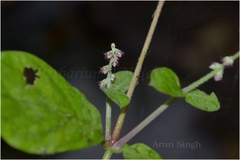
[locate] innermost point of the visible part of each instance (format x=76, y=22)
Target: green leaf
x=203, y=101
x=41, y=112
x=117, y=96
x=123, y=80
x=139, y=151
x=118, y=88
x=166, y=81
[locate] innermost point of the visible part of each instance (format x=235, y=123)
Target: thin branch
x=108, y=119
x=122, y=115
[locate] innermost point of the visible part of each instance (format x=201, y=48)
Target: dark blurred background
x=72, y=36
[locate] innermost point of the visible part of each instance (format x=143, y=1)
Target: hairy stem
x=108, y=119
x=109, y=83
x=235, y=56
x=107, y=154
x=122, y=115
x=201, y=80
x=145, y=48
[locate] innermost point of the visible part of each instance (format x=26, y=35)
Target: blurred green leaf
x=203, y=101
x=166, y=81
x=139, y=151
x=41, y=112
x=117, y=96
x=123, y=80
x=118, y=88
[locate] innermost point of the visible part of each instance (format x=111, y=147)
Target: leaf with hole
x=202, y=101
x=41, y=112
x=139, y=151
x=166, y=81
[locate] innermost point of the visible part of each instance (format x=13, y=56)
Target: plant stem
x=108, y=119
x=107, y=154
x=145, y=48
x=160, y=109
x=143, y=124
x=108, y=106
x=122, y=115
x=201, y=80
x=235, y=56
x=109, y=83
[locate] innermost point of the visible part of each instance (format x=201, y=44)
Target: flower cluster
x=226, y=61
x=113, y=57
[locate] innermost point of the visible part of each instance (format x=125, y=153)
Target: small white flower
x=227, y=61
x=102, y=83
x=218, y=76
x=113, y=77
x=114, y=63
x=109, y=55
x=105, y=69
x=113, y=46
x=215, y=65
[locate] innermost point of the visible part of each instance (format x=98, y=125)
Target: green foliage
x=203, y=101
x=41, y=112
x=166, y=81
x=139, y=151
x=123, y=80
x=117, y=96
x=118, y=88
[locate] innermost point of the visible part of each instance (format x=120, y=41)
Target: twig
x=122, y=115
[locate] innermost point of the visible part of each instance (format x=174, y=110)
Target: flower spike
x=113, y=57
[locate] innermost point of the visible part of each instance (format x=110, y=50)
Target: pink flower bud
x=115, y=63
x=120, y=53
x=102, y=83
